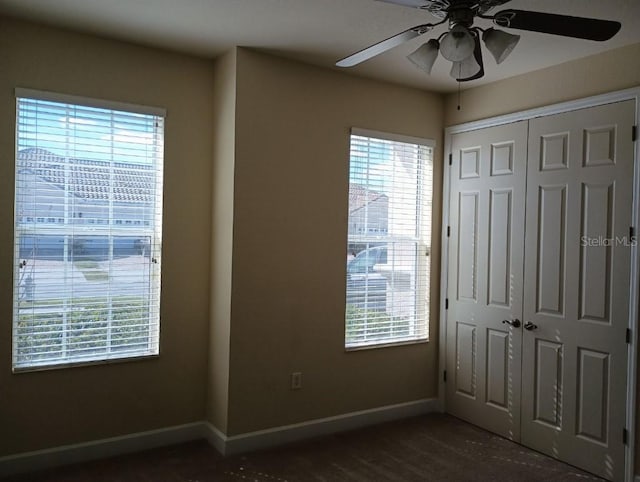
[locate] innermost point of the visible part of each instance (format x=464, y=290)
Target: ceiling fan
x=460, y=44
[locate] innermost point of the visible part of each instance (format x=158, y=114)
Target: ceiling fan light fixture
x=461, y=44
x=465, y=69
x=499, y=43
x=425, y=56
x=457, y=44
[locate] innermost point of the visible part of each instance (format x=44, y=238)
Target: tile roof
x=360, y=196
x=90, y=179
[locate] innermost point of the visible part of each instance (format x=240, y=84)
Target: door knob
x=530, y=326
x=515, y=323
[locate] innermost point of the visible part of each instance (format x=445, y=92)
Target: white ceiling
x=321, y=31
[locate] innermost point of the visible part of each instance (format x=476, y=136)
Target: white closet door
x=488, y=174
x=576, y=286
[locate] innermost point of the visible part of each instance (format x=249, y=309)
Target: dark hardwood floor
x=433, y=447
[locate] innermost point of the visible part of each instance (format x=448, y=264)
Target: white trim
x=271, y=437
x=16, y=370
x=89, y=102
x=98, y=449
x=215, y=437
x=559, y=108
x=444, y=274
x=634, y=300
x=385, y=344
x=389, y=136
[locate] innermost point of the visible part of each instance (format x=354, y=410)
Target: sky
x=377, y=162
x=88, y=132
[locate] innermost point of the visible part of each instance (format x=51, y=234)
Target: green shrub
x=90, y=327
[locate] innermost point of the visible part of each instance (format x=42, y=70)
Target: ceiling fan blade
x=565, y=25
x=484, y=5
x=409, y=3
x=380, y=47
x=437, y=6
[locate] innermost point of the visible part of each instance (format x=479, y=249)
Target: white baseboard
x=98, y=449
x=215, y=437
x=272, y=437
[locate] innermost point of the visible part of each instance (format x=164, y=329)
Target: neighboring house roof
x=90, y=179
x=360, y=196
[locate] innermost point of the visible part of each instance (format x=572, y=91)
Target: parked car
x=366, y=288
x=82, y=247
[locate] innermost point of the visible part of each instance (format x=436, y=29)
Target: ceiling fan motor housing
x=461, y=15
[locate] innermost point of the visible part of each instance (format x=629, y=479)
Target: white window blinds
x=389, y=238
x=88, y=219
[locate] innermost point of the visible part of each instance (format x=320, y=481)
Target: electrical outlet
x=296, y=380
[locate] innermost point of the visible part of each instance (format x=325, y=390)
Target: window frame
x=151, y=230
x=423, y=240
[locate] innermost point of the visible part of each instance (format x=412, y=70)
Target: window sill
x=386, y=345
x=59, y=366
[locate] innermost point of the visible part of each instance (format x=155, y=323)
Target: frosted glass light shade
x=458, y=44
x=499, y=43
x=425, y=56
x=465, y=69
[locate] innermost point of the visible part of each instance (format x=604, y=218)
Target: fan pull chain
x=459, y=74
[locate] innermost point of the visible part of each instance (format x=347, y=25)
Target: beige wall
x=224, y=132
x=256, y=183
x=614, y=70
x=44, y=409
x=289, y=243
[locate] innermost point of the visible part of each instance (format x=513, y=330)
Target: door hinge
x=450, y=159
x=444, y=376
x=446, y=303
x=634, y=133
x=625, y=436
x=632, y=233
x=628, y=335
x=448, y=231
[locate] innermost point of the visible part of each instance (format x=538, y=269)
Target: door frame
x=634, y=296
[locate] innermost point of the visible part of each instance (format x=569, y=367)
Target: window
x=86, y=287
x=389, y=239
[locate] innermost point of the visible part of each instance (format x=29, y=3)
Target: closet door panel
x=485, y=277
x=576, y=286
